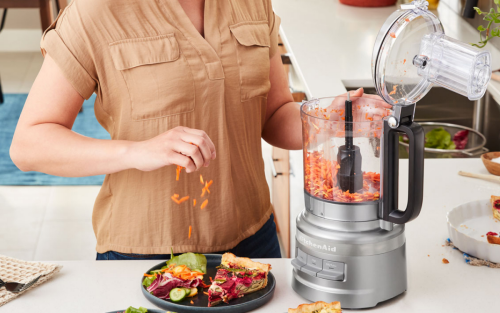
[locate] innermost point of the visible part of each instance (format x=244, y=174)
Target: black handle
x=469, y=11
x=390, y=172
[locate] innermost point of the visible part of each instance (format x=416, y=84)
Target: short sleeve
x=274, y=27
x=65, y=42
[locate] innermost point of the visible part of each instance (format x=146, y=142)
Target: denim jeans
x=263, y=244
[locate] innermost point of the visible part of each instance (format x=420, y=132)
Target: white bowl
x=467, y=224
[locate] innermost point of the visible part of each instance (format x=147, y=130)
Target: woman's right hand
x=187, y=147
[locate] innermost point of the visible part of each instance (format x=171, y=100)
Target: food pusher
x=350, y=244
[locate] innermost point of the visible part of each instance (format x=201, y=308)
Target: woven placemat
x=472, y=260
x=13, y=270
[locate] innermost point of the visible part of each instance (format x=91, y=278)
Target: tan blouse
x=152, y=71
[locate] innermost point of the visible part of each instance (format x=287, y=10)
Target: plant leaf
x=481, y=28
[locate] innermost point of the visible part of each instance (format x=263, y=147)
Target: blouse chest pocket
x=158, y=77
x=252, y=49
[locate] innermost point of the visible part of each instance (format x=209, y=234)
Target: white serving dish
x=467, y=223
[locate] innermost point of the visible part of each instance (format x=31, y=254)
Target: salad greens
x=491, y=17
x=148, y=281
x=438, y=138
x=134, y=310
x=195, y=262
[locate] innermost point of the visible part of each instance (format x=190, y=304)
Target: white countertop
x=91, y=286
x=331, y=44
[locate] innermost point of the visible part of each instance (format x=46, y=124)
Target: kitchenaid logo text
x=309, y=243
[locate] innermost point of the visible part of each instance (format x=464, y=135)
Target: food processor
x=350, y=238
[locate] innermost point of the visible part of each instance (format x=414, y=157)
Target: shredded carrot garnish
x=148, y=275
x=204, y=204
x=194, y=202
x=190, y=230
x=175, y=200
x=183, y=199
x=178, y=172
x=201, y=179
x=206, y=293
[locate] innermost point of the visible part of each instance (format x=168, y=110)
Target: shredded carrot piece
x=148, y=275
x=209, y=183
x=204, y=204
x=317, y=128
x=190, y=230
x=393, y=35
x=183, y=199
x=175, y=200
x=194, y=202
x=178, y=172
x=203, y=192
x=201, y=179
x=211, y=280
x=393, y=90
x=176, y=195
x=191, y=302
x=407, y=19
x=206, y=293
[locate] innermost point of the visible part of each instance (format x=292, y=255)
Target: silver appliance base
x=368, y=280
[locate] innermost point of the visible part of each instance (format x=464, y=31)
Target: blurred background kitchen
x=49, y=218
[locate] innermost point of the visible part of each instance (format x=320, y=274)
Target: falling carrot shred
x=204, y=204
x=194, y=202
x=190, y=229
x=393, y=35
x=178, y=172
x=176, y=195
x=201, y=179
x=183, y=199
x=175, y=200
x=203, y=192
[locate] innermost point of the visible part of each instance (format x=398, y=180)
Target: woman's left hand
x=365, y=107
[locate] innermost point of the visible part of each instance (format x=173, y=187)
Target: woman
x=187, y=83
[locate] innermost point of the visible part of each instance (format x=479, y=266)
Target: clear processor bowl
x=324, y=131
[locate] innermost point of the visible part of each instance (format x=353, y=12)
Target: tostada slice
x=235, y=278
x=318, y=307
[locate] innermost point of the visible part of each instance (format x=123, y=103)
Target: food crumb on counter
x=445, y=261
x=428, y=255
x=482, y=235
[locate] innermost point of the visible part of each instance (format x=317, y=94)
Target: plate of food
x=208, y=283
x=474, y=228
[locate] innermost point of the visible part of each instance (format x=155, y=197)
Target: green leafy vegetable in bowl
x=439, y=138
x=134, y=310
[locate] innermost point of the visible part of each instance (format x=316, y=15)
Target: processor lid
x=395, y=60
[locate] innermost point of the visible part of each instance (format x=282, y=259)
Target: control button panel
x=313, y=265
x=318, y=267
x=332, y=270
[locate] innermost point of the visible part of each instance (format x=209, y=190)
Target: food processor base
x=368, y=280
